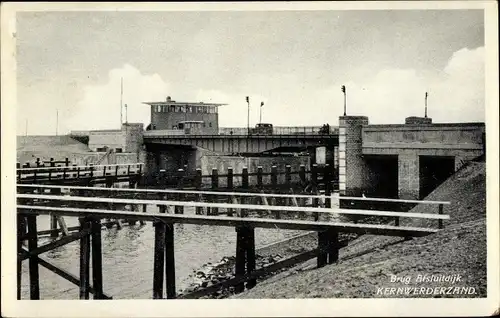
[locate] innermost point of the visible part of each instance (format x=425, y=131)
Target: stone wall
x=106, y=138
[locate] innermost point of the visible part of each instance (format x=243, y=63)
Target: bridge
x=395, y=161
x=403, y=161
x=237, y=144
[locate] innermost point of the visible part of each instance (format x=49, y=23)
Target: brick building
x=192, y=118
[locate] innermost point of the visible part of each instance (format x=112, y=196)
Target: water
x=128, y=257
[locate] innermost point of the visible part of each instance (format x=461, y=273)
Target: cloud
x=456, y=93
x=100, y=106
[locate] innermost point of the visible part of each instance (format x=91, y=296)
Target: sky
x=71, y=64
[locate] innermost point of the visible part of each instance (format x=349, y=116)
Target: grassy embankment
x=45, y=147
x=369, y=261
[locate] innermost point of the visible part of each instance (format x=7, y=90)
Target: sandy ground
x=370, y=263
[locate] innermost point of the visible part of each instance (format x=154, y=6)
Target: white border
x=226, y=308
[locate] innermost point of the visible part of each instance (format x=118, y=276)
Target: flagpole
x=57, y=121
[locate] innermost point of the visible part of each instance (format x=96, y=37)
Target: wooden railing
x=238, y=210
x=89, y=174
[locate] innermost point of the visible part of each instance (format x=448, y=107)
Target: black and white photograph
x=250, y=159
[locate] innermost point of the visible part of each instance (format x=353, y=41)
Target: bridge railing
x=280, y=130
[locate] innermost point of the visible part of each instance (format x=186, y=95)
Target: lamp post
x=343, y=91
x=426, y=94
x=260, y=116
x=248, y=116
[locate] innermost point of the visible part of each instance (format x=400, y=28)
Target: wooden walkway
x=93, y=205
x=81, y=175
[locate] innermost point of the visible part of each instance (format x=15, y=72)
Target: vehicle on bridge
x=262, y=129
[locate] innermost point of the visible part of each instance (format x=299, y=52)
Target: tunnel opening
x=382, y=176
x=381, y=181
x=433, y=171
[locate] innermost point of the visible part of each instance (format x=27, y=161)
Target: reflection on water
x=128, y=257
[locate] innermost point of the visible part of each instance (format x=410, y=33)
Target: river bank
x=368, y=265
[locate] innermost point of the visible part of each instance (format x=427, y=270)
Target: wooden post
x=323, y=248
x=215, y=186
x=230, y=212
x=197, y=184
x=53, y=226
x=97, y=259
x=314, y=181
x=62, y=225
x=274, y=185
x=274, y=177
x=21, y=232
x=144, y=210
x=302, y=174
x=159, y=259
x=198, y=179
x=84, y=261
x=250, y=247
x=180, y=178
x=240, y=257
x=91, y=174
x=244, y=178
x=178, y=197
x=244, y=183
x=33, y=261
x=288, y=181
x=333, y=246
x=440, y=221
x=288, y=176
x=53, y=218
x=230, y=177
x=327, y=177
x=169, y=261
x=259, y=177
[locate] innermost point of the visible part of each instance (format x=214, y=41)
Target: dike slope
x=45, y=147
x=369, y=262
